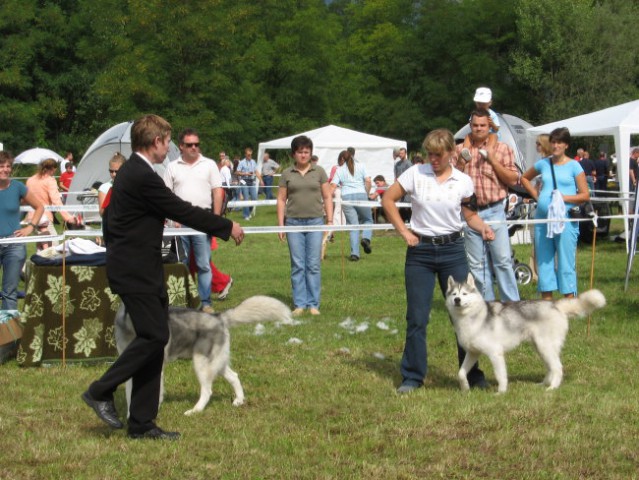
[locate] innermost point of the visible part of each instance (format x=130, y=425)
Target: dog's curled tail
x=583, y=305
x=259, y=308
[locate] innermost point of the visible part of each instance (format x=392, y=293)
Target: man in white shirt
x=197, y=179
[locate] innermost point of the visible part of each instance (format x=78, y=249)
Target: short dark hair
x=301, y=141
x=379, y=178
x=561, y=134
x=6, y=157
x=185, y=133
x=479, y=112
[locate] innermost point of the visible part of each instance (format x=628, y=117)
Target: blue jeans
x=426, y=263
x=492, y=259
x=357, y=216
x=306, y=264
x=564, y=247
x=202, y=254
x=248, y=192
x=268, y=184
x=12, y=258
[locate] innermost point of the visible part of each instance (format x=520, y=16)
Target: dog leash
x=485, y=268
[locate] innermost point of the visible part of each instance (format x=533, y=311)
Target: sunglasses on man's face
x=190, y=145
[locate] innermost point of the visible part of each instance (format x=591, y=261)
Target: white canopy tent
x=94, y=165
x=620, y=121
x=376, y=153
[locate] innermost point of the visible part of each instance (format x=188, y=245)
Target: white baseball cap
x=483, y=95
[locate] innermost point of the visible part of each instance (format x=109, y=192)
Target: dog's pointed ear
x=470, y=280
x=451, y=283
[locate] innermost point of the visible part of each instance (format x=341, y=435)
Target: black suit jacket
x=140, y=202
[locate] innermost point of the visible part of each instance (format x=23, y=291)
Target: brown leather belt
x=490, y=205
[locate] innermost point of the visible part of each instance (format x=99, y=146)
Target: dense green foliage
x=243, y=71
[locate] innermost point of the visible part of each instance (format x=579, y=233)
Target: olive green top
x=304, y=192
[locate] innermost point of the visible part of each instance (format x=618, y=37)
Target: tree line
x=245, y=71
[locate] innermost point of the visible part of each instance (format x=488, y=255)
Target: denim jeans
x=12, y=258
x=492, y=259
x=268, y=186
x=306, y=265
x=357, y=216
x=425, y=264
x=248, y=192
x=201, y=245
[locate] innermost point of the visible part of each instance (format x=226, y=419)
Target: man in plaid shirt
x=492, y=171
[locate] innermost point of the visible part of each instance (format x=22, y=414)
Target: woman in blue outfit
x=571, y=183
x=303, y=196
x=356, y=184
x=439, y=195
x=13, y=255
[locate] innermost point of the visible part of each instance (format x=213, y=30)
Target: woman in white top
x=439, y=195
x=355, y=184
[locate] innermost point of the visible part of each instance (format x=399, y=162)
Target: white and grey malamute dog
x=494, y=328
x=206, y=339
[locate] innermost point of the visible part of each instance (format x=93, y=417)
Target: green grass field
x=326, y=408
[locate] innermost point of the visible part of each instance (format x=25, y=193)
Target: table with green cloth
x=80, y=328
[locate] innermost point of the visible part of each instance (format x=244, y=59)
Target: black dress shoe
x=105, y=410
x=479, y=384
x=155, y=433
x=366, y=245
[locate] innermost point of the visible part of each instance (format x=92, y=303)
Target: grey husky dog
x=494, y=328
x=206, y=339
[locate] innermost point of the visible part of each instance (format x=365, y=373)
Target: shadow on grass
x=389, y=369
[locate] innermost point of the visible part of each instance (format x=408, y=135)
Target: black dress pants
x=141, y=361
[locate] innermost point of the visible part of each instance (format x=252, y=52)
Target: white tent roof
x=620, y=121
x=376, y=153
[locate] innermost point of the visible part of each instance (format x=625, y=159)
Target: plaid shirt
x=488, y=187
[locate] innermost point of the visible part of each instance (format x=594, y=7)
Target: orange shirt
x=45, y=189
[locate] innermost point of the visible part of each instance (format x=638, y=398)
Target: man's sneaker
x=207, y=309
x=298, y=311
x=224, y=293
x=366, y=245
x=465, y=154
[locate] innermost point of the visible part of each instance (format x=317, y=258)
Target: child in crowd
x=483, y=100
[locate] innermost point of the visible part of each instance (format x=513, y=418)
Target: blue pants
x=268, y=184
x=563, y=276
x=201, y=245
x=492, y=259
x=306, y=263
x=248, y=192
x=357, y=216
x=12, y=258
x=426, y=264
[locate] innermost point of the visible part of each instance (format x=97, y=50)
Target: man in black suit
x=140, y=203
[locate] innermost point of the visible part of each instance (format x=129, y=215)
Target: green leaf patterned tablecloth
x=89, y=307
